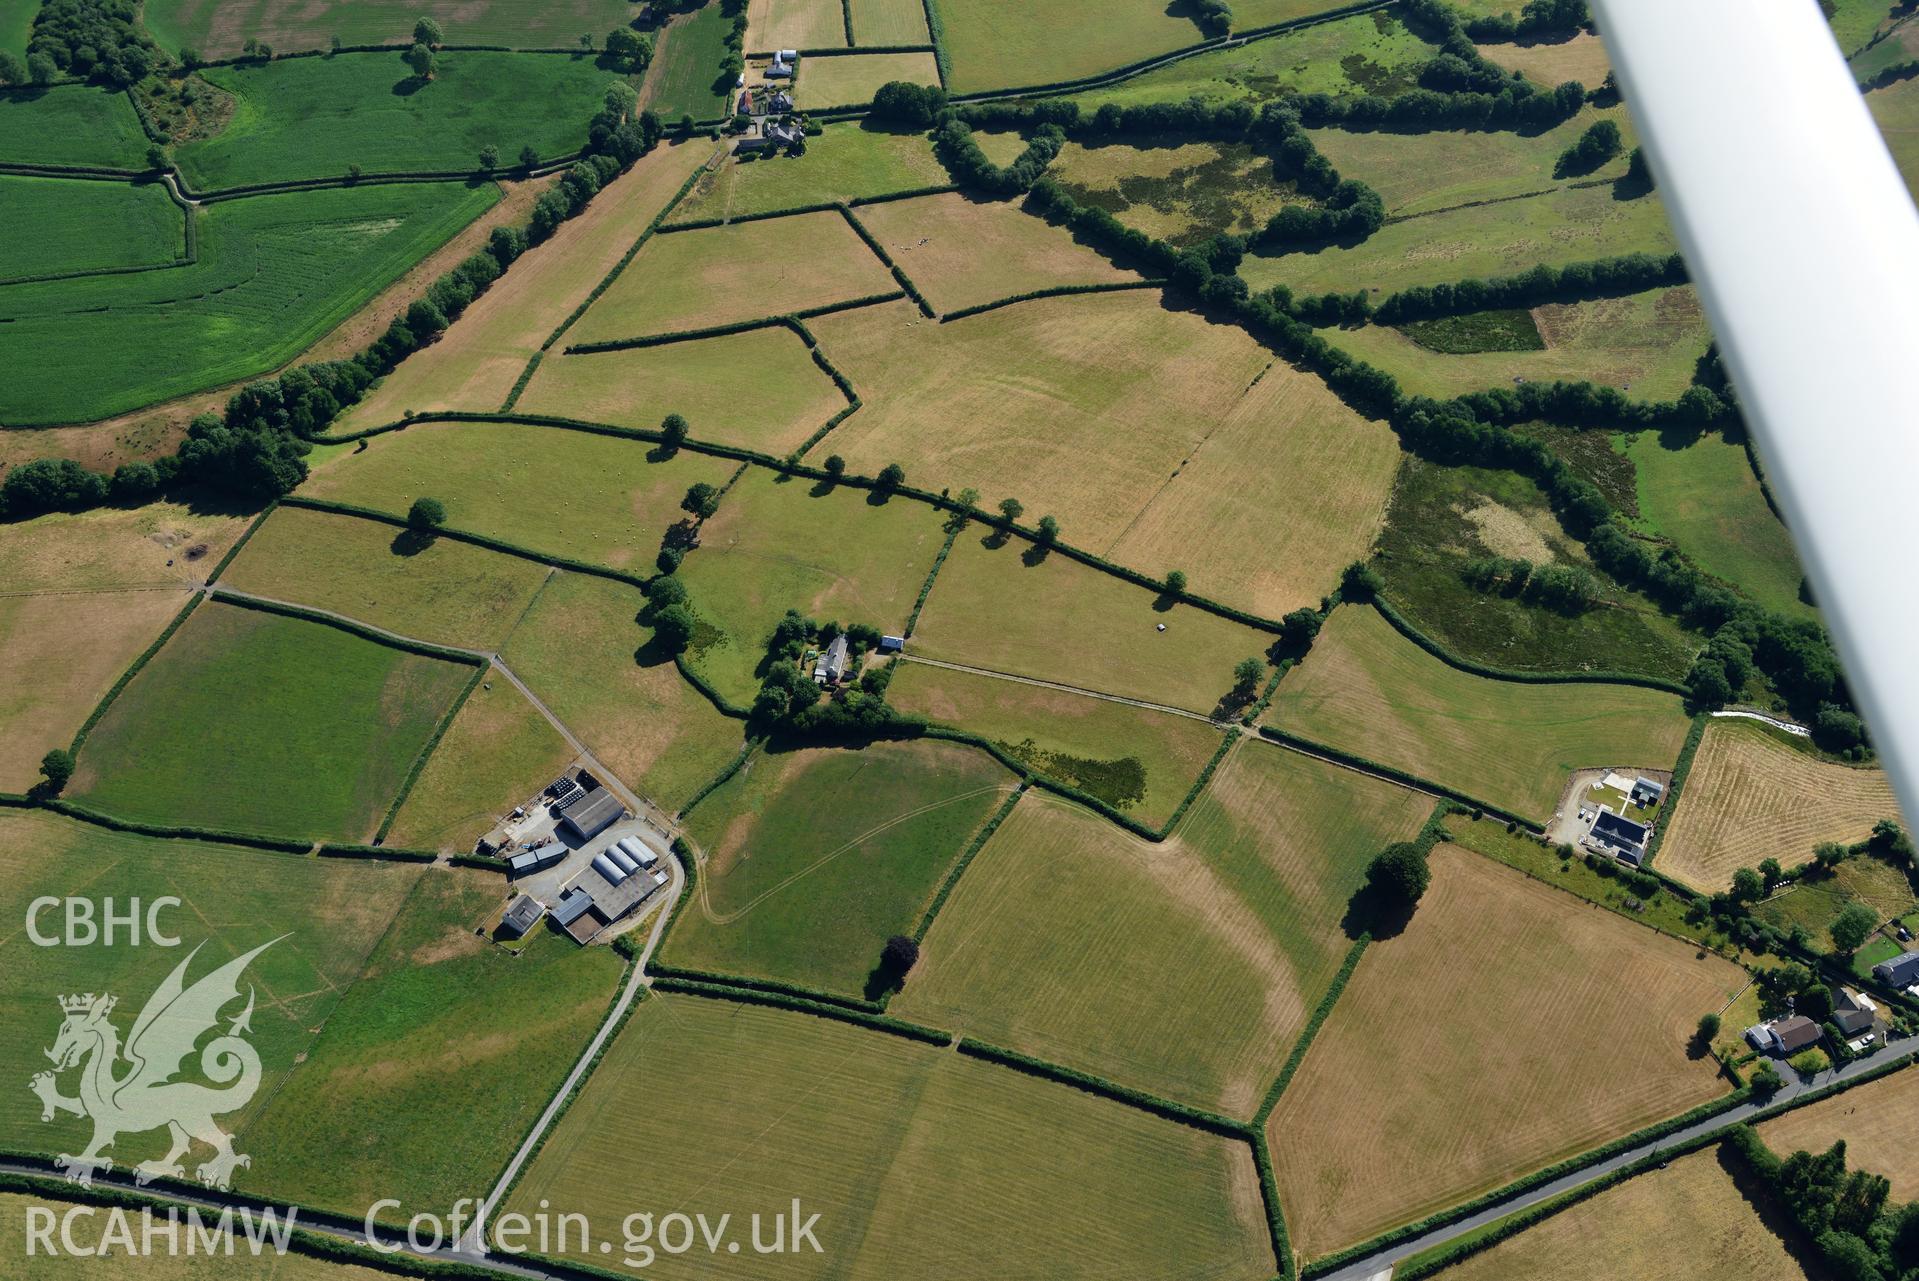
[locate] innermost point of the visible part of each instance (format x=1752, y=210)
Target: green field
x=1185, y=968
x=256, y=723
x=88, y=226
x=580, y=651
x=814, y=858
x=851, y=80
x=217, y=28
x=16, y=23
x=1007, y=44
x=684, y=77
x=780, y=543
x=431, y=589
x=1700, y=492
x=919, y=1162
x=884, y=22
x=1140, y=762
x=465, y=1040
x=233, y=900
x=1816, y=899
x=70, y=125
x=1368, y=690
x=498, y=752
x=846, y=162
x=313, y=117
x=1854, y=21
x=563, y=493
x=274, y=274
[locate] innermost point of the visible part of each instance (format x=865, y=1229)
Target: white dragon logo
x=145, y=1097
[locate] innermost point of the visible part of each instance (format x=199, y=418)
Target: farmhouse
x=1782, y=1037
x=521, y=915
x=1900, y=971
x=831, y=667
x=780, y=103
x=587, y=815
x=1617, y=835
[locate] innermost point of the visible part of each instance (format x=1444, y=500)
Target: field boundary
x=1405, y=627
x=905, y=282
x=672, y=336
x=426, y=751
x=713, y=978
x=189, y=239
x=167, y=831
x=1165, y=1109
x=819, y=1009
x=1320, y=1014
x=953, y=529
x=1676, y=788
x=379, y=636
x=1390, y=774
x=965, y=858
x=1056, y=291
x=133, y=669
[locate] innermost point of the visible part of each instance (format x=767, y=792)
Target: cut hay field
x=218, y=28
x=1700, y=491
x=475, y=364
x=1634, y=1230
x=1548, y=63
x=204, y=1265
x=848, y=161
x=1140, y=762
x=562, y=493
x=1448, y=168
x=163, y=544
x=579, y=650
x=795, y=24
x=851, y=79
x=1895, y=108
x=813, y=859
x=253, y=722
x=274, y=274
x=71, y=125
x=1879, y=1122
x=778, y=544
x=431, y=589
x=233, y=900
x=1185, y=968
x=498, y=751
x=1366, y=689
x=88, y=226
x=464, y=1040
x=962, y=252
x=63, y=653
x=1425, y=1086
x=919, y=1162
x=889, y=22
x=1183, y=193
x=1646, y=344
x=1750, y=796
x=312, y=117
x=759, y=390
x=1059, y=620
x=719, y=275
x=1572, y=224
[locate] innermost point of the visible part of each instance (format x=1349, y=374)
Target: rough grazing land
x=1509, y=1026
x=1183, y=193
x=1632, y=1230
x=87, y=226
x=962, y=251
x=847, y=161
x=1750, y=796
x=884, y=22
x=258, y=723
x=111, y=547
x=852, y=80
x=498, y=751
x=814, y=859
x=476, y=362
x=432, y=589
x=795, y=24
x=744, y=271
x=1366, y=689
x=581, y=652
x=1879, y=1122
x=1186, y=968
x=1553, y=62
x=218, y=28
x=919, y=1162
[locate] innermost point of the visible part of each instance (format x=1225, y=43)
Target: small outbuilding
x=527, y=862
x=892, y=644
x=522, y=914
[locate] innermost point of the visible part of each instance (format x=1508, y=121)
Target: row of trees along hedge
x=1600, y=278
x=953, y=144
x=1539, y=17
x=1847, y=1216
x=256, y=449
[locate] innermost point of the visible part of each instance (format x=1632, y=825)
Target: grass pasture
x=218, y=28
x=274, y=274
x=1879, y=1122
x=683, y=79
x=1184, y=193
x=1896, y=109
x=961, y=252
x=498, y=751
x=312, y=117
x=851, y=79
x=847, y=161
x=758, y=390
x=1366, y=689
x=563, y=493
x=1548, y=63
x=431, y=589
x=475, y=364
x=88, y=226
x=718, y=275
x=71, y=125
x=889, y=22
x=1011, y=44
x=813, y=859
x=778, y=544
x=579, y=650
x=162, y=544
x=1185, y=968
x=795, y=24
x=1515, y=974
x=16, y=24
x=1058, y=620
x=311, y=730
x=1750, y=796
x=920, y=1162
x=1140, y=762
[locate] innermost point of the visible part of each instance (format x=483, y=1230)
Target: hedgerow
x=1198, y=1118
x=464, y=657
x=712, y=978
x=218, y=835
x=1321, y=1013
x=133, y=669
x=1681, y=771
x=426, y=751
x=953, y=874
x=1391, y=774
x=1575, y=282
x=377, y=853
x=1055, y=291
x=819, y=1009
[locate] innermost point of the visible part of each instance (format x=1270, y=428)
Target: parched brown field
x=742, y=271
x=1878, y=1121
x=114, y=547
x=476, y=362
x=960, y=251
x=883, y=22
x=1049, y=402
x=1549, y=63
x=759, y=390
x=63, y=652
x=1685, y=1222
x=1510, y=1025
x=1750, y=797
x=851, y=80
x=795, y=24
x=1187, y=967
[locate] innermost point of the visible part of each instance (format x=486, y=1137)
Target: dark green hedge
x=1269, y=1197
x=912, y=290
x=482, y=862
x=133, y=669
x=705, y=224
x=953, y=874
x=778, y=1001
x=711, y=978
x=468, y=658
x=720, y=704
x=1391, y=774
x=1321, y=1013
x=737, y=327
x=1680, y=770
x=1057, y=291
x=426, y=751
x=1199, y=784
x=1406, y=628
x=727, y=771
x=926, y=588
x=912, y=193
x=1198, y=1118
x=377, y=853
x=213, y=835
x=246, y=536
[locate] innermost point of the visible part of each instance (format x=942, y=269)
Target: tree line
x=1574, y=282
x=1847, y=1216
x=1539, y=17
